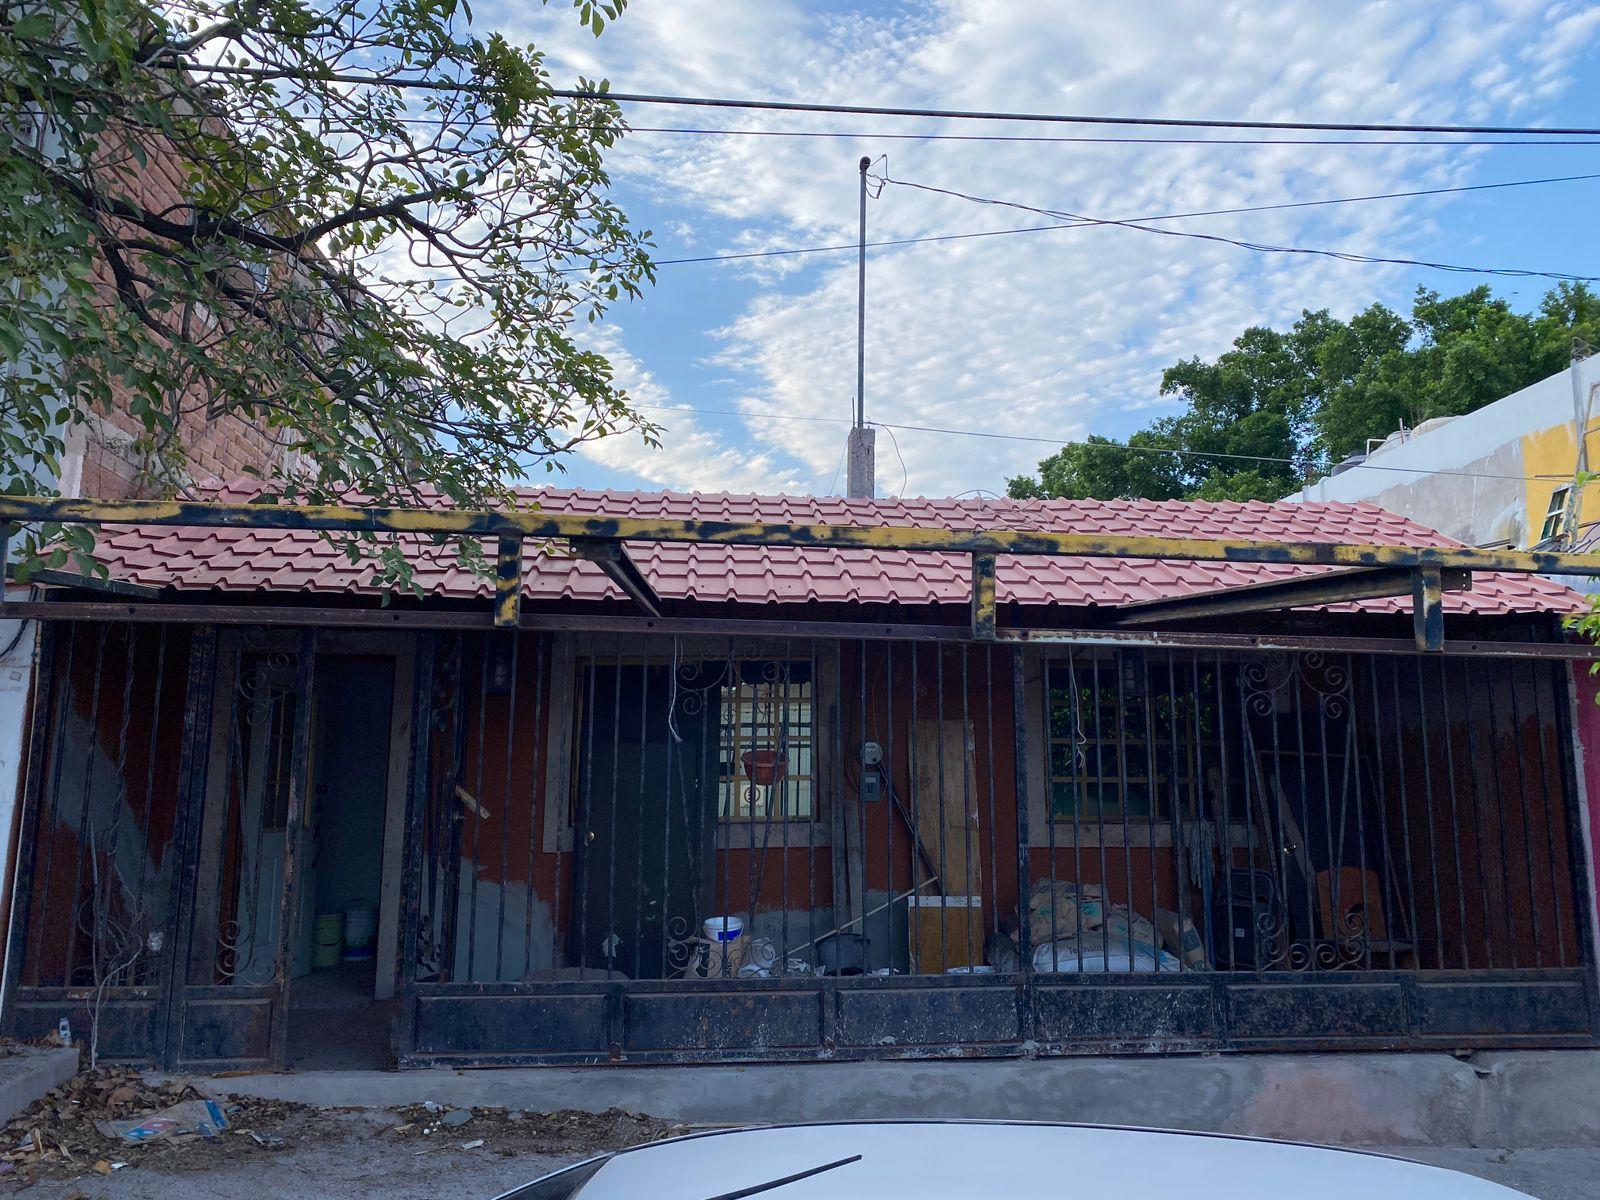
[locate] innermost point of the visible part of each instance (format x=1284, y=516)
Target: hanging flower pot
x=763, y=766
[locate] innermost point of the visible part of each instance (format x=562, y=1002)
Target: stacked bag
x=1072, y=928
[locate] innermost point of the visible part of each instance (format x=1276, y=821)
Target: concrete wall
x=1485, y=477
x=1511, y=1100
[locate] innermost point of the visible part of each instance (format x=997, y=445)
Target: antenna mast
x=860, y=477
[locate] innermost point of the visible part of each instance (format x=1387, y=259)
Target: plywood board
x=944, y=803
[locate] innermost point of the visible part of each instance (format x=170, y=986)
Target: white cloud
x=690, y=457
x=1048, y=334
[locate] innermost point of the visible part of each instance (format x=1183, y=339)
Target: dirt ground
x=61, y=1147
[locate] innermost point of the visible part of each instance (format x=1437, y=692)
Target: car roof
x=934, y=1159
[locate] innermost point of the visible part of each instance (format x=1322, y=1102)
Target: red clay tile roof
x=283, y=561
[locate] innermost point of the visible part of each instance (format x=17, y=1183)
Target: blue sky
x=1051, y=335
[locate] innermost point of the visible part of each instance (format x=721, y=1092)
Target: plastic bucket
x=723, y=929
x=359, y=926
x=327, y=939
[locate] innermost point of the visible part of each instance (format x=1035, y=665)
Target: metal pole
x=861, y=302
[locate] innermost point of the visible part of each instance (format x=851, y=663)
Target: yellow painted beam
x=508, y=583
x=1427, y=608
x=538, y=524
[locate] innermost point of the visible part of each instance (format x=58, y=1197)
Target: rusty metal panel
x=483, y=1025
x=1472, y=1008
x=750, y=1021
x=901, y=1014
x=130, y=1025
x=1126, y=1014
x=1324, y=1009
x=228, y=1025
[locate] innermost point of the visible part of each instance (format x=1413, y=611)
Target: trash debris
x=64, y=1032
x=426, y=1131
x=472, y=1145
x=72, y=1128
x=268, y=1140
x=204, y=1117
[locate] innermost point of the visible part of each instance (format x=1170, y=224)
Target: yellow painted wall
x=1549, y=457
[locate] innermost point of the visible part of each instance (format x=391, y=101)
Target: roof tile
x=287, y=561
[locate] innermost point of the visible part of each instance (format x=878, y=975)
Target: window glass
x=767, y=759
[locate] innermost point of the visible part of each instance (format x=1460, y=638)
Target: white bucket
x=359, y=926
x=723, y=929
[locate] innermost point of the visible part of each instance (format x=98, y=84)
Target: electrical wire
x=1257, y=247
x=905, y=475
x=1087, y=139
x=891, y=426
x=1036, y=139
x=1080, y=223
x=440, y=84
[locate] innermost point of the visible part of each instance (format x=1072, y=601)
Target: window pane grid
x=767, y=760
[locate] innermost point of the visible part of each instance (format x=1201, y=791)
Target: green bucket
x=327, y=939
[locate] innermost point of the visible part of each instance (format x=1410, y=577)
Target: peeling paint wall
x=1487, y=477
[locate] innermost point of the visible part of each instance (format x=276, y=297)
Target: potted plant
x=765, y=767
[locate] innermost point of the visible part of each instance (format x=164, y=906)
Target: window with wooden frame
x=768, y=753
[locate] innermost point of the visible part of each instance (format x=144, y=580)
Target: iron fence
x=635, y=845
x=613, y=806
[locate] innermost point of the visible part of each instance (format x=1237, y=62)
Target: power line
x=1258, y=247
x=954, y=114
x=1080, y=223
x=1046, y=139
x=873, y=135
x=1066, y=442
x=868, y=110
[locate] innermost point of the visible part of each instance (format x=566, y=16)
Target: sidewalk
x=1517, y=1100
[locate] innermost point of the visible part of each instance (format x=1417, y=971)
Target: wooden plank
x=944, y=791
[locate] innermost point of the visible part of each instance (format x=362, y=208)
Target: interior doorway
x=343, y=933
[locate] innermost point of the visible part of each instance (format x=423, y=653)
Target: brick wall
x=104, y=462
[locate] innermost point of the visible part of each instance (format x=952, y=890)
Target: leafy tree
x=387, y=273
x=1281, y=407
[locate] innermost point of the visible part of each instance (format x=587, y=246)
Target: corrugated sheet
x=284, y=561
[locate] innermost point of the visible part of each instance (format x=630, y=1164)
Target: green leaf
x=35, y=25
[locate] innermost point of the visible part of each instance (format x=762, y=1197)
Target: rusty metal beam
x=445, y=619
x=1427, y=608
x=508, y=583
x=612, y=558
x=91, y=583
x=1325, y=587
x=983, y=614
x=541, y=524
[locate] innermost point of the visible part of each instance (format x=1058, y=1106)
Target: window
x=1127, y=734
x=768, y=754
x=1555, y=516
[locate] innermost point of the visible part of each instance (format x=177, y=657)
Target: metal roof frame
x=601, y=538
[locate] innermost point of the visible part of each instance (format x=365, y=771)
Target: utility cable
x=763, y=415
x=1257, y=247
x=1088, y=139
x=442, y=84
x=471, y=121
x=1082, y=222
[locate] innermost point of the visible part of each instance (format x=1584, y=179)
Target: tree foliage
x=387, y=277
x=1281, y=407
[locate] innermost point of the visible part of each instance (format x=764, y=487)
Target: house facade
x=1507, y=474
x=748, y=802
